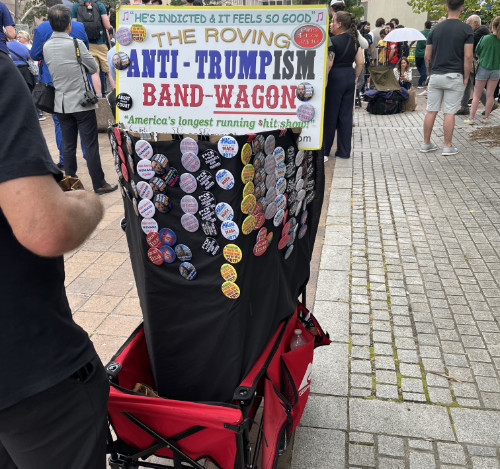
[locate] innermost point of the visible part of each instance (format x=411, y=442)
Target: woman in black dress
x=341, y=83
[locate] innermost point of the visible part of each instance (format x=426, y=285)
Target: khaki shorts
x=100, y=54
x=446, y=90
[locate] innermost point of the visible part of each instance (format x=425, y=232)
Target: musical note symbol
x=125, y=16
x=320, y=16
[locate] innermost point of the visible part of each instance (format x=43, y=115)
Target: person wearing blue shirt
x=42, y=33
x=6, y=22
x=20, y=55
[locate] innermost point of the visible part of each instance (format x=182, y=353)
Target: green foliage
x=437, y=8
x=32, y=9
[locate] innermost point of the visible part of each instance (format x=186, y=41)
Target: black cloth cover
x=202, y=343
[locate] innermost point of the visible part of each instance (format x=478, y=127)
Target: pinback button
x=269, y=238
x=228, y=272
x=171, y=176
x=246, y=154
x=310, y=185
x=168, y=254
x=278, y=218
x=260, y=219
x=124, y=101
x=123, y=36
x=260, y=247
x=292, y=235
x=261, y=234
x=145, y=170
x=162, y=203
x=189, y=204
x=299, y=174
x=121, y=154
x=205, y=180
x=155, y=256
x=262, y=201
x=300, y=195
x=303, y=217
x=280, y=170
x=271, y=210
x=251, y=137
x=248, y=225
x=310, y=197
x=283, y=242
x=248, y=173
x=230, y=230
x=128, y=143
x=189, y=222
x=260, y=177
x=131, y=163
x=270, y=164
x=290, y=154
x=271, y=195
x=289, y=169
x=207, y=199
x=183, y=253
x=224, y=211
x=280, y=185
x=157, y=185
x=227, y=146
x=302, y=231
x=299, y=158
x=188, y=271
x=258, y=143
x=299, y=185
x=248, y=204
x=188, y=183
x=143, y=149
x=153, y=239
x=146, y=208
x=231, y=290
x=210, y=246
x=225, y=179
x=167, y=236
x=258, y=161
x=134, y=188
x=305, y=112
x=248, y=189
x=138, y=32
x=211, y=159
x=290, y=185
x=112, y=140
x=209, y=228
x=286, y=228
x=148, y=225
x=270, y=181
x=257, y=209
x=269, y=144
x=288, y=252
x=189, y=145
x=159, y=163
x=124, y=172
x=232, y=253
x=190, y=162
x=279, y=155
x=207, y=214
x=118, y=135
x=134, y=203
x=280, y=202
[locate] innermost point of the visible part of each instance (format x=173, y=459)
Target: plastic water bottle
x=297, y=339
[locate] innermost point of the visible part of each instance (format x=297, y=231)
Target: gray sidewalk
x=408, y=288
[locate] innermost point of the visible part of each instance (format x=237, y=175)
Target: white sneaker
x=469, y=121
x=423, y=93
x=325, y=159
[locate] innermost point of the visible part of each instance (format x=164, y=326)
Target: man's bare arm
x=428, y=57
x=46, y=220
x=468, y=51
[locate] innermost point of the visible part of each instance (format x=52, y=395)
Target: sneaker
x=325, y=159
x=426, y=147
x=449, y=151
x=420, y=87
x=423, y=93
x=469, y=121
x=462, y=112
x=495, y=106
x=485, y=121
x=106, y=188
x=41, y=118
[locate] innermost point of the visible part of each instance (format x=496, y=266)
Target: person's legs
x=61, y=427
x=332, y=107
x=429, y=119
x=478, y=91
x=57, y=129
x=448, y=127
x=69, y=131
x=464, y=104
x=422, y=70
x=454, y=87
x=344, y=121
x=87, y=126
x=490, y=91
x=435, y=94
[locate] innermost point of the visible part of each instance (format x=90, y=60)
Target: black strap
x=79, y=59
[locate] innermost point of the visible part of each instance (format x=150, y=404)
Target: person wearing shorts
x=98, y=48
x=488, y=73
x=449, y=49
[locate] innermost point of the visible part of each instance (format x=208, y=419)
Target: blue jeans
x=59, y=142
x=422, y=70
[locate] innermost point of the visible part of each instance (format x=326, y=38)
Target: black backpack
x=89, y=15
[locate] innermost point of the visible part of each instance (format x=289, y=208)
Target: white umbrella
x=405, y=34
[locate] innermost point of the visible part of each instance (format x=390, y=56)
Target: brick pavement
x=406, y=285
x=412, y=379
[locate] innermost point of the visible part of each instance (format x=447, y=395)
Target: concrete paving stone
x=452, y=347
x=357, y=308
x=381, y=316
x=361, y=366
x=391, y=463
x=445, y=334
x=360, y=340
x=479, y=355
x=421, y=460
x=381, y=336
x=384, y=376
x=483, y=369
x=425, y=327
x=467, y=329
x=414, y=397
x=317, y=447
x=487, y=451
x=384, y=326
x=360, y=352
x=386, y=391
x=440, y=395
x=335, y=258
x=420, y=444
x=333, y=358
x=478, y=427
x=360, y=392
x=334, y=318
x=89, y=320
x=410, y=370
x=361, y=437
x=384, y=363
x=401, y=321
x=403, y=332
x=488, y=384
x=455, y=360
x=468, y=402
x=363, y=329
x=361, y=455
x=332, y=286
x=106, y=345
x=479, y=462
x=491, y=400
x=408, y=356
x=450, y=453
x=400, y=419
x=390, y=446
x=405, y=343
x=325, y=412
x=429, y=351
x=428, y=339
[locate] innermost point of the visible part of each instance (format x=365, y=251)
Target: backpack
x=384, y=104
x=89, y=15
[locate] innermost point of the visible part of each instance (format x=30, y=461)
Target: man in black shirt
x=449, y=50
x=53, y=388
